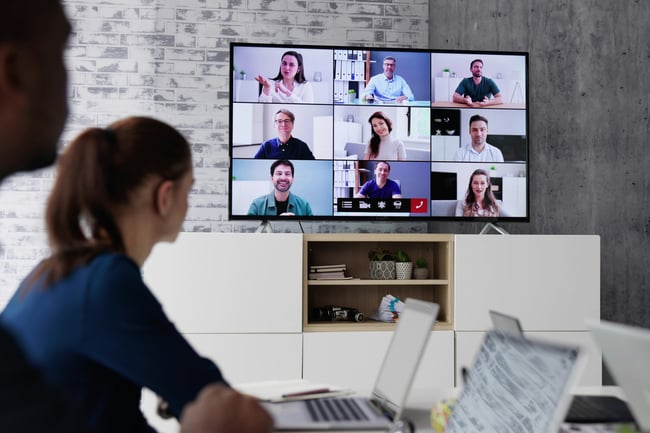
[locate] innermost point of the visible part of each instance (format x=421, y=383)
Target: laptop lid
x=626, y=351
x=403, y=356
x=516, y=384
x=506, y=323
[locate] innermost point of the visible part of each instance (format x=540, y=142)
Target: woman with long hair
x=382, y=145
x=84, y=316
x=479, y=199
x=290, y=84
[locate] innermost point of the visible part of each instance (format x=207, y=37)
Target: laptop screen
x=404, y=352
x=517, y=385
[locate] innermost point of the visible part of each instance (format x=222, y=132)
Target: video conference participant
x=290, y=84
x=382, y=144
x=477, y=90
x=479, y=199
x=381, y=186
x=281, y=202
x=284, y=146
x=479, y=149
x=388, y=86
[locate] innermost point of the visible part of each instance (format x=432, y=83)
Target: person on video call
x=381, y=186
x=388, y=86
x=281, y=202
x=290, y=84
x=382, y=144
x=479, y=149
x=479, y=199
x=33, y=110
x=477, y=90
x=284, y=146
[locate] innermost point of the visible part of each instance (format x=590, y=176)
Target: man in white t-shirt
x=479, y=150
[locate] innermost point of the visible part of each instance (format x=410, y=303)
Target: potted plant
x=382, y=264
x=445, y=72
x=403, y=266
x=421, y=272
x=242, y=75
x=352, y=94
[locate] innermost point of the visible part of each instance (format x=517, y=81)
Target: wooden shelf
x=365, y=294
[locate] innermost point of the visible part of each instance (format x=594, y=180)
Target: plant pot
x=382, y=270
x=420, y=273
x=445, y=74
x=403, y=270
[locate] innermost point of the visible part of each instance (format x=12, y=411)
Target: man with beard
x=280, y=202
x=477, y=90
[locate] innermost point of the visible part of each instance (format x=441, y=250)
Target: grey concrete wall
x=589, y=128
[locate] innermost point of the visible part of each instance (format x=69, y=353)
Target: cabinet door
x=353, y=359
x=468, y=344
x=229, y=282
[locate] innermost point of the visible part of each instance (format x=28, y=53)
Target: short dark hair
x=474, y=61
x=281, y=162
x=287, y=112
x=476, y=118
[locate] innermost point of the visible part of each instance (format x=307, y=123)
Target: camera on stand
x=332, y=312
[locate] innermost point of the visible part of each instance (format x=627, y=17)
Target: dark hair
x=300, y=75
x=98, y=172
x=281, y=162
x=474, y=61
x=375, y=138
x=382, y=162
x=489, y=201
x=476, y=118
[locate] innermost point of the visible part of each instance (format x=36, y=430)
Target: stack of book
x=327, y=272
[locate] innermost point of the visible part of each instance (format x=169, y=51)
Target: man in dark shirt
x=477, y=90
x=33, y=110
x=284, y=146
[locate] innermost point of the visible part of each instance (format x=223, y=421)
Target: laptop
x=583, y=408
x=626, y=350
x=392, y=385
x=518, y=385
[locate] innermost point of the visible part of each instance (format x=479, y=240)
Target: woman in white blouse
x=290, y=84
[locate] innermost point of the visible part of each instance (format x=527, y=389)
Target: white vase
x=382, y=270
x=403, y=270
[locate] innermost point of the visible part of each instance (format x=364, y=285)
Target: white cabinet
x=353, y=359
x=444, y=147
x=444, y=87
x=552, y=283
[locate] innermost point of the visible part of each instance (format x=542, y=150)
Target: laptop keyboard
x=335, y=409
x=593, y=409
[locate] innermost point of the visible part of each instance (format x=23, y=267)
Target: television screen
x=354, y=133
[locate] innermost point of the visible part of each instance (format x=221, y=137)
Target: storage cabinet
x=365, y=294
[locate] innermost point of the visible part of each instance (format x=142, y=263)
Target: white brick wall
x=169, y=59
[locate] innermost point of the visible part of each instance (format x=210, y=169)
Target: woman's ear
x=164, y=197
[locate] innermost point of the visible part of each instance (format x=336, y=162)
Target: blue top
x=265, y=205
x=386, y=90
x=487, y=87
x=371, y=190
x=293, y=149
x=100, y=336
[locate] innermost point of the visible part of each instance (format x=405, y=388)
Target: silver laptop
x=626, y=350
x=583, y=408
x=384, y=407
x=516, y=385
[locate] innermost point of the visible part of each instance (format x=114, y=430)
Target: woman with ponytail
x=84, y=316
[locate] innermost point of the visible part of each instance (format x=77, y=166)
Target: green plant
x=445, y=70
x=401, y=256
x=380, y=254
x=420, y=263
x=352, y=91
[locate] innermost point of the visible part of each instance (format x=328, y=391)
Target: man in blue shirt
x=280, y=202
x=388, y=87
x=477, y=90
x=381, y=186
x=284, y=146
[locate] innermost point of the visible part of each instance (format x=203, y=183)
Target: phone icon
x=419, y=205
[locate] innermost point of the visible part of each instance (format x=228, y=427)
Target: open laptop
x=392, y=385
x=626, y=350
x=516, y=384
x=583, y=408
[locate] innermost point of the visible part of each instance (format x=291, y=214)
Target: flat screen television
x=358, y=133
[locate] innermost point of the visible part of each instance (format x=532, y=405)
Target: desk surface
x=505, y=106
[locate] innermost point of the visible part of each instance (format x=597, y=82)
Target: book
x=326, y=275
x=326, y=266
